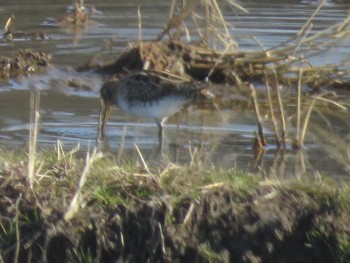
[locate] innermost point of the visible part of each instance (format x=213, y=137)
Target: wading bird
x=148, y=94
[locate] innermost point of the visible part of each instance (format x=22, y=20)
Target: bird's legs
x=105, y=111
x=160, y=132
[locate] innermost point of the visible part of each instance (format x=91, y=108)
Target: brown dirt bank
x=265, y=224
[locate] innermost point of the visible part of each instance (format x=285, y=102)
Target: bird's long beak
x=105, y=111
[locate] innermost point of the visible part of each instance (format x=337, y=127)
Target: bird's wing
x=148, y=87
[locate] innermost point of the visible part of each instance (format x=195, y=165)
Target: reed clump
x=25, y=62
x=210, y=52
x=196, y=45
x=78, y=17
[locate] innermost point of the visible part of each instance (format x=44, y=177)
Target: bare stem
x=261, y=142
x=297, y=143
x=33, y=134
x=281, y=111
x=274, y=122
x=77, y=199
x=18, y=239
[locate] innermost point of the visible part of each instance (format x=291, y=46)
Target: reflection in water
x=220, y=138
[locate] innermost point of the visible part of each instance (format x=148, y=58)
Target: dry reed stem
x=139, y=26
x=145, y=166
x=261, y=142
x=279, y=58
x=162, y=237
x=334, y=103
x=280, y=111
x=306, y=26
x=333, y=33
x=302, y=163
x=278, y=169
x=214, y=22
x=18, y=237
x=172, y=9
x=33, y=134
x=218, y=61
x=306, y=120
x=77, y=199
x=320, y=97
x=297, y=143
x=292, y=56
x=176, y=20
x=272, y=113
x=8, y=23
x=188, y=214
x=211, y=186
x=259, y=154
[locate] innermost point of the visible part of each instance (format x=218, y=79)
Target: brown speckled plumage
x=147, y=94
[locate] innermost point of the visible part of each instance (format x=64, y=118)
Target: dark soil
x=222, y=225
x=23, y=63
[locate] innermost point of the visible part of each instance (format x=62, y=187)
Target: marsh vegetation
x=64, y=204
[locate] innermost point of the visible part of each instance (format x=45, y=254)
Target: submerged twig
x=306, y=120
x=273, y=118
x=260, y=139
x=281, y=112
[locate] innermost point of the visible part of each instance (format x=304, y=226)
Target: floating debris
x=10, y=33
x=79, y=15
x=23, y=63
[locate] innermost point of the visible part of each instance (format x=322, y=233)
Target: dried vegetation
x=57, y=207
x=99, y=210
x=196, y=45
x=213, y=54
x=23, y=63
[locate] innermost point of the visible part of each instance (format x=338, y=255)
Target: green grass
x=344, y=248
x=7, y=233
x=110, y=184
x=210, y=255
x=108, y=196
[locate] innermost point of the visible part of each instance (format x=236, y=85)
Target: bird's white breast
x=159, y=109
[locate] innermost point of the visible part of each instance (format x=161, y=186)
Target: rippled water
x=221, y=138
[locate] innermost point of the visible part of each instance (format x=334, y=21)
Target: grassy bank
x=99, y=210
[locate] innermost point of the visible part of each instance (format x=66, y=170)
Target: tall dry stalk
x=204, y=14
x=297, y=144
x=33, y=134
x=273, y=117
x=281, y=111
x=78, y=197
x=260, y=139
x=320, y=97
x=18, y=236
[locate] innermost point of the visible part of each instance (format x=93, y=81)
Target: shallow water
x=222, y=138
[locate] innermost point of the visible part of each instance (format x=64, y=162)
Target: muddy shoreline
x=143, y=221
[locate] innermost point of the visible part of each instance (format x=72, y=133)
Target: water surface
x=221, y=138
